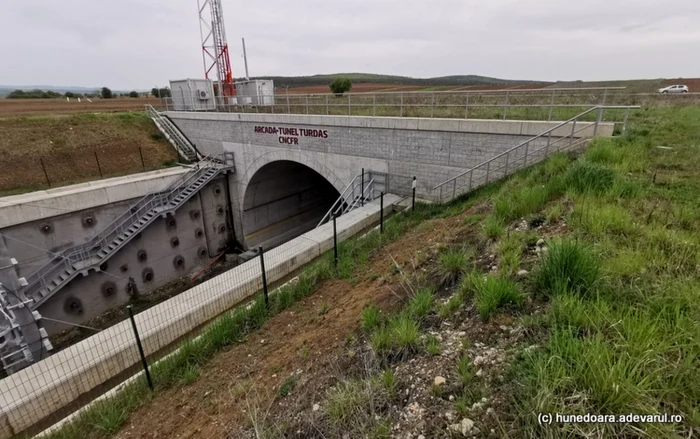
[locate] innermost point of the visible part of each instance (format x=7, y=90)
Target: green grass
x=567, y=266
x=452, y=265
x=623, y=331
x=493, y=227
x=495, y=292
x=432, y=345
x=421, y=303
x=286, y=387
x=465, y=371
x=371, y=318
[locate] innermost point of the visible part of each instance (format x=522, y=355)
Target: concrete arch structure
x=291, y=155
x=283, y=194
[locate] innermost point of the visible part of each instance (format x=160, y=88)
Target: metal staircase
x=65, y=266
x=183, y=146
x=362, y=189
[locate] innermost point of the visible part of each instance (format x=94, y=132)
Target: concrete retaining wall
x=33, y=394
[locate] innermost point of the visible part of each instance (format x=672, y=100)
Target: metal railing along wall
x=556, y=139
x=517, y=104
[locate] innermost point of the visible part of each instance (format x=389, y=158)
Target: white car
x=674, y=89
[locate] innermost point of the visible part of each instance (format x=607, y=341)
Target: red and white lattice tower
x=214, y=46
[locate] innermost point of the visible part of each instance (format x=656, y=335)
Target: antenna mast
x=214, y=46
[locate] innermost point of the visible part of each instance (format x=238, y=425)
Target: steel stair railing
x=349, y=198
x=523, y=154
x=173, y=134
x=64, y=266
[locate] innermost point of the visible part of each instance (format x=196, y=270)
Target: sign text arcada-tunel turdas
x=290, y=136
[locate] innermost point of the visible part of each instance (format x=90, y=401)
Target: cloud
x=136, y=44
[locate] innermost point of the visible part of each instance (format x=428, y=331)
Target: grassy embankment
x=70, y=146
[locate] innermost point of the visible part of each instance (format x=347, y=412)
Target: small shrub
x=495, y=292
x=371, y=318
x=190, y=374
x=567, y=266
x=493, y=227
x=510, y=250
x=404, y=335
x=451, y=266
x=380, y=340
x=432, y=345
x=388, y=380
x=465, y=372
x=421, y=303
x=287, y=387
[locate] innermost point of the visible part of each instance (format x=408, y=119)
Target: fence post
x=605, y=96
x=264, y=277
x=99, y=168
x=138, y=344
x=307, y=104
x=362, y=188
x=289, y=109
x=349, y=106
x=45, y=173
x=466, y=107
x=335, y=242
x=381, y=212
x=413, y=197
x=597, y=121
x=573, y=131
x=624, y=124
x=143, y=164
x=401, y=106
x=432, y=105
x=505, y=107
x=326, y=105
x=374, y=104
x=551, y=106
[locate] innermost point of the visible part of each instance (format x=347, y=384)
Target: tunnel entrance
x=283, y=200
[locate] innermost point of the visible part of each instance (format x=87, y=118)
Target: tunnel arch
x=283, y=199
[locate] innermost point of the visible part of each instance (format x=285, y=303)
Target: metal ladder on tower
x=183, y=146
x=65, y=266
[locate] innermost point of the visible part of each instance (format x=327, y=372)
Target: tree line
x=104, y=93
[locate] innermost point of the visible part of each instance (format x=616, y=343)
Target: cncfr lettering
x=289, y=140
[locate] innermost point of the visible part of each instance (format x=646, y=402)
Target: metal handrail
x=182, y=144
x=342, y=196
x=86, y=251
x=526, y=143
x=362, y=196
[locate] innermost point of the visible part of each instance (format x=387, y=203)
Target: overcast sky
x=141, y=43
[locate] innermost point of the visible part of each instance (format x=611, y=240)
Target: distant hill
x=360, y=78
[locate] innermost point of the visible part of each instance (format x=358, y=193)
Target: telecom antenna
x=214, y=46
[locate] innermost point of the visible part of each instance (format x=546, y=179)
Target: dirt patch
x=59, y=150
x=17, y=107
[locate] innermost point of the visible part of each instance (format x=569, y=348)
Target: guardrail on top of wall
x=519, y=104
